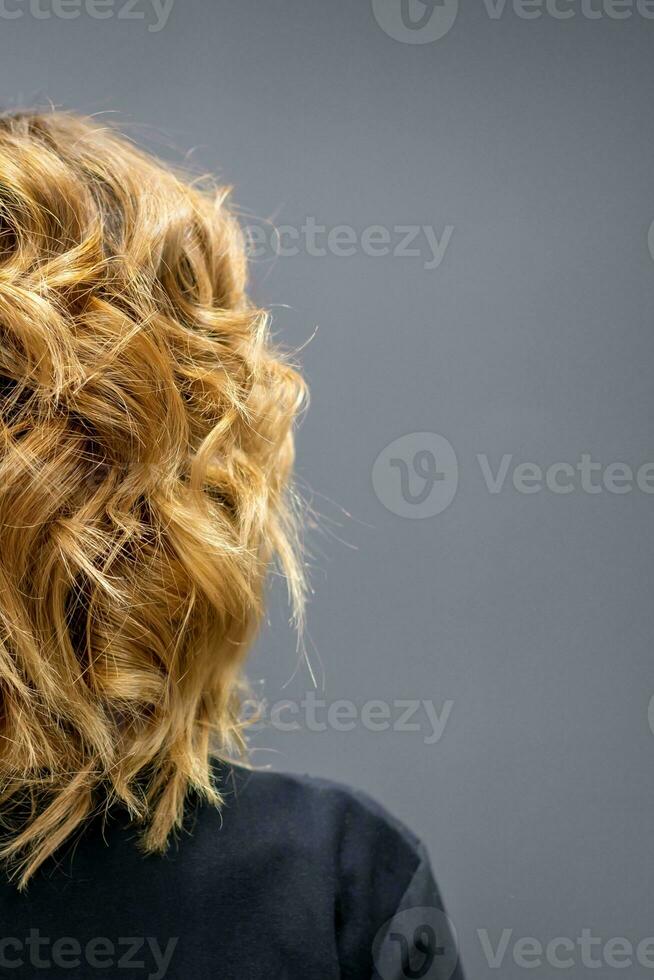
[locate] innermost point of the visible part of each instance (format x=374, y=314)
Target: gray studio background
x=530, y=138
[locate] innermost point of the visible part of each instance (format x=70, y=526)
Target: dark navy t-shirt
x=294, y=879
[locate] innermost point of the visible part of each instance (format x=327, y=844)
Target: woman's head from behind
x=145, y=451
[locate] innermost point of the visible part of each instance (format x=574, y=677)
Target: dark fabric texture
x=295, y=879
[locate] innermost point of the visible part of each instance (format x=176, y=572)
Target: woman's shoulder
x=293, y=876
x=334, y=855
x=337, y=826
x=313, y=803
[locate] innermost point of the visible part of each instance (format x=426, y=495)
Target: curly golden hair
x=145, y=452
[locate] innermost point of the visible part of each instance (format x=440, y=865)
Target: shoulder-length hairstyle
x=145, y=453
